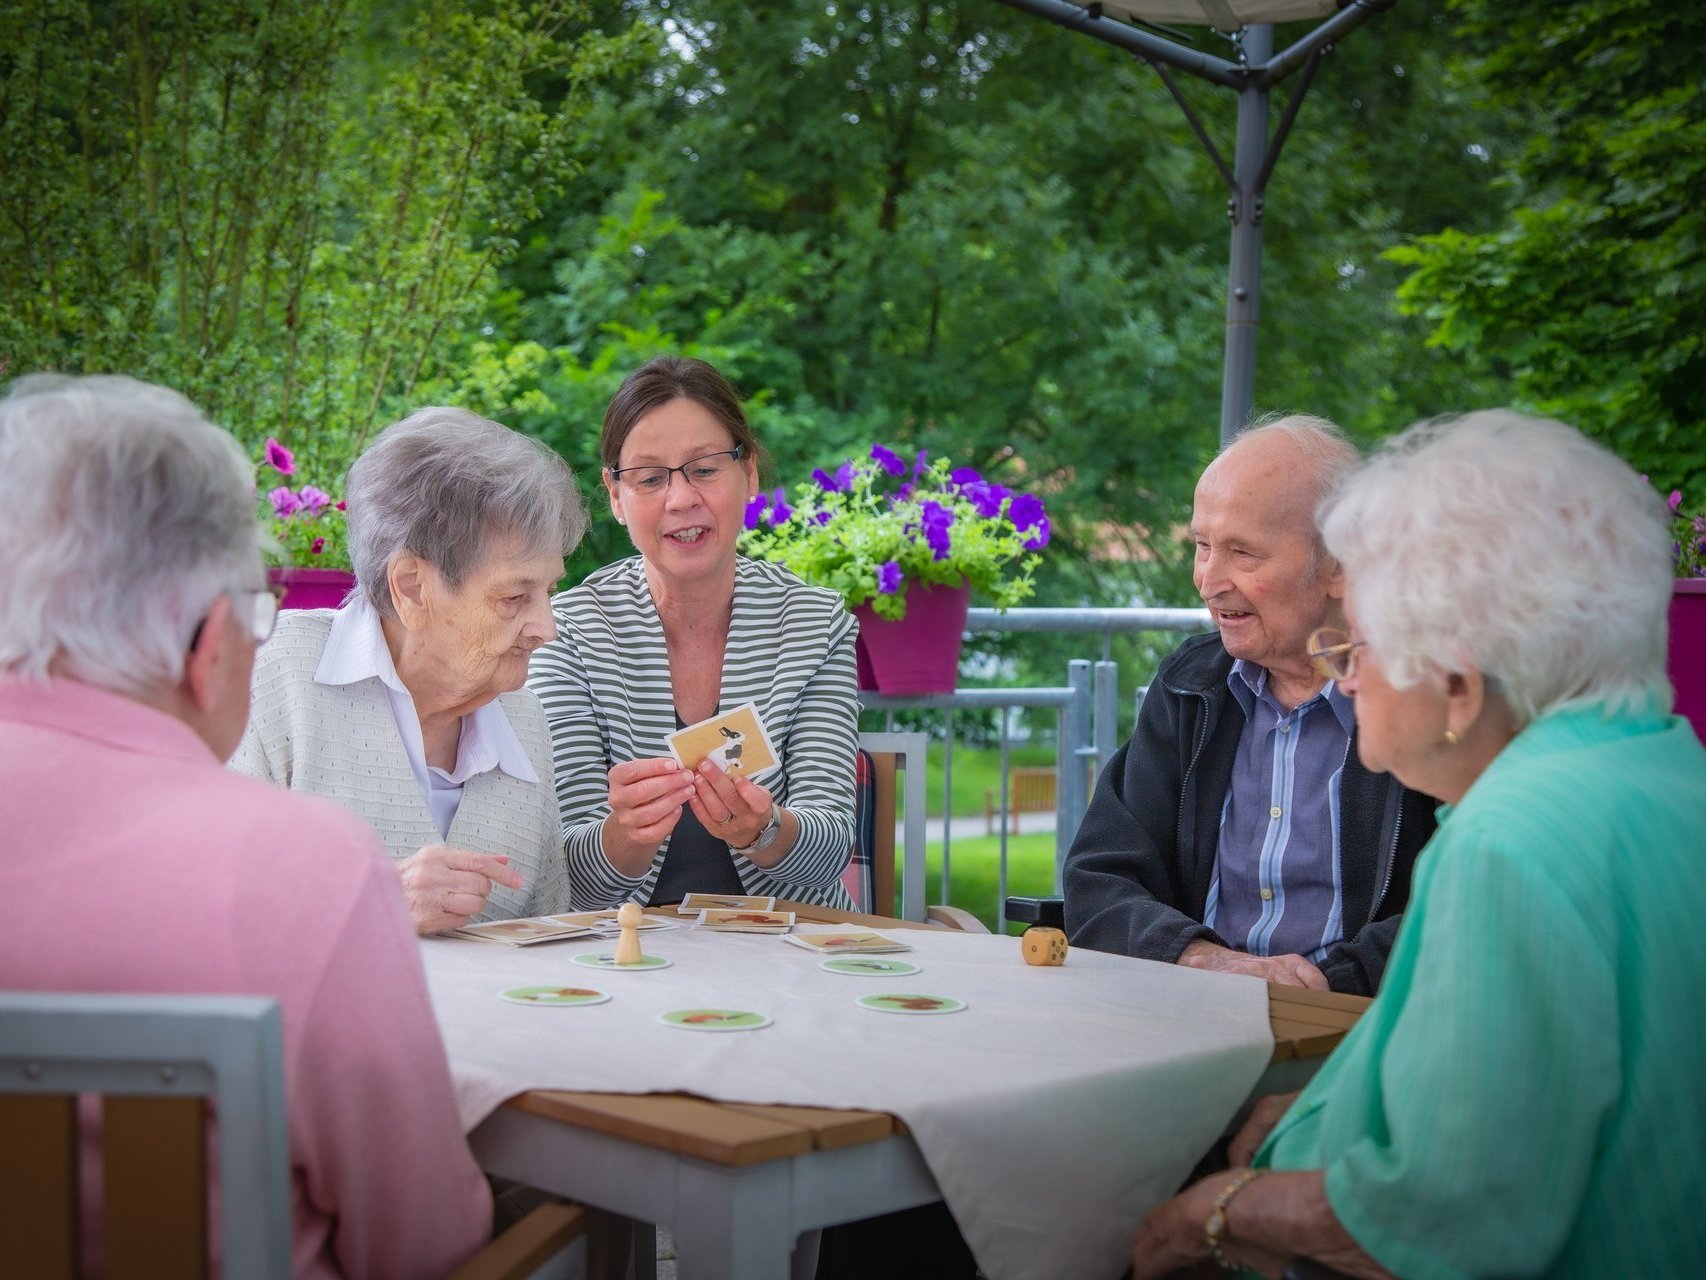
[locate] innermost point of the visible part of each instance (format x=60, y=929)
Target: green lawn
x=976, y=771
x=972, y=871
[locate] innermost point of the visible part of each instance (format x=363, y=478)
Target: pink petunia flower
x=279, y=458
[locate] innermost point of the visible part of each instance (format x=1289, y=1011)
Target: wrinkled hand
x=1257, y=1126
x=1288, y=970
x=732, y=809
x=445, y=888
x=1171, y=1235
x=645, y=803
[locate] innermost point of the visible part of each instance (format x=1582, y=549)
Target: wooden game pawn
x=628, y=945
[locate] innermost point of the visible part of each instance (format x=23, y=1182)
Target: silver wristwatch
x=766, y=837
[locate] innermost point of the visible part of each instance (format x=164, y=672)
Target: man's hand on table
x=1287, y=970
x=445, y=888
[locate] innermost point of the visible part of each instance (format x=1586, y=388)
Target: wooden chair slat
x=38, y=1184
x=154, y=1198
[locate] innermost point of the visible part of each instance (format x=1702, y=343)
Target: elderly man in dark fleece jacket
x=1236, y=829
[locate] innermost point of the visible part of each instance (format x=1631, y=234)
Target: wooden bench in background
x=1029, y=790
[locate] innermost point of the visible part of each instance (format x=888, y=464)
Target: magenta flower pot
x=921, y=652
x=311, y=588
x=1687, y=664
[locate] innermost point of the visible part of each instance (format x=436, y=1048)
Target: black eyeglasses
x=704, y=472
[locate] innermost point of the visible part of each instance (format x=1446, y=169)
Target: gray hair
x=1514, y=546
x=125, y=514
x=443, y=484
x=1320, y=441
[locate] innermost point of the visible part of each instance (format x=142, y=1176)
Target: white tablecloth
x=1053, y=1111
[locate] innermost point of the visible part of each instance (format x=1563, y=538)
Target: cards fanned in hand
x=528, y=930
x=694, y=903
x=723, y=921
x=735, y=741
x=862, y=942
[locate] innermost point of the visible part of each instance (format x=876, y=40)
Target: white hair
x=1514, y=546
x=443, y=484
x=1325, y=448
x=124, y=514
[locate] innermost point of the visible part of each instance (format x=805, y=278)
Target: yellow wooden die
x=1042, y=945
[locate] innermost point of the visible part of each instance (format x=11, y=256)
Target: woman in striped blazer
x=682, y=631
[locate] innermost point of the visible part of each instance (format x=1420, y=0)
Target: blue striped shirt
x=1276, y=888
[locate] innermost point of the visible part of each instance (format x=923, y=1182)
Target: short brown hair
x=665, y=378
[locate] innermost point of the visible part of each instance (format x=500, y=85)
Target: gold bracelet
x=1214, y=1226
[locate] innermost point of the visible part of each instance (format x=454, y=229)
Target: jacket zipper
x=1196, y=754
x=1391, y=861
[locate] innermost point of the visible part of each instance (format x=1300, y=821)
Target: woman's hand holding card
x=645, y=804
x=732, y=809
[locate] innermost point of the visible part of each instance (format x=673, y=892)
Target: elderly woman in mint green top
x=406, y=705
x=1527, y=1094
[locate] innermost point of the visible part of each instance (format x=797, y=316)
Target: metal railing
x=1086, y=706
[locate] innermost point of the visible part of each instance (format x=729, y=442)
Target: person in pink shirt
x=134, y=861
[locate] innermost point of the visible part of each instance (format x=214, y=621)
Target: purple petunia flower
x=284, y=502
x=1038, y=538
x=966, y=475
x=279, y=458
x=921, y=465
x=825, y=481
x=823, y=517
x=1674, y=501
x=937, y=521
x=986, y=498
x=779, y=508
x=312, y=501
x=318, y=546
x=888, y=578
x=1026, y=511
x=888, y=459
x=755, y=510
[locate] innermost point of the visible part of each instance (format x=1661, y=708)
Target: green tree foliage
x=286, y=211
x=1588, y=297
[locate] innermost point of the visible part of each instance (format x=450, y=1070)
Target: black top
x=697, y=862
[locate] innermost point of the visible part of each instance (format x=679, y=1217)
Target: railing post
x=1107, y=713
x=1072, y=750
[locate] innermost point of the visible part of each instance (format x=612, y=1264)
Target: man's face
x=1257, y=562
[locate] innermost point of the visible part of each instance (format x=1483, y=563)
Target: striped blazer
x=604, y=682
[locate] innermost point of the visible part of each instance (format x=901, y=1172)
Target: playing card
x=525, y=932
x=694, y=903
x=862, y=942
x=747, y=921
x=735, y=741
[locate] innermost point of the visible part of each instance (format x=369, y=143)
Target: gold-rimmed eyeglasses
x=703, y=472
x=1334, y=653
x=256, y=610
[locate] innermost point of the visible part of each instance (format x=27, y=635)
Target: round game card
x=559, y=997
x=909, y=1003
x=607, y=960
x=715, y=1019
x=869, y=966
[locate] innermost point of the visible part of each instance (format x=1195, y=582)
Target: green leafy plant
x=307, y=524
x=1688, y=539
x=876, y=525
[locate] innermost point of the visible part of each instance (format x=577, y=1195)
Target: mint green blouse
x=1527, y=1095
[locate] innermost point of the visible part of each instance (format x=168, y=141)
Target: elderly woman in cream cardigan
x=406, y=704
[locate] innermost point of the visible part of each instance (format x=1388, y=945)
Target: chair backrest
x=160, y=1062
x=889, y=762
